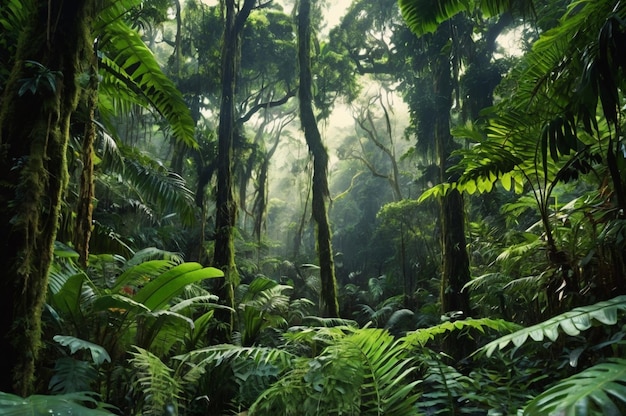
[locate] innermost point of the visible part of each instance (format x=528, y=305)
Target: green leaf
x=572, y=323
x=98, y=354
x=592, y=391
x=130, y=68
x=65, y=404
x=157, y=293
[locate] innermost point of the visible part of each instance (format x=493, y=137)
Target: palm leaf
x=131, y=69
x=600, y=390
x=156, y=185
x=572, y=323
x=364, y=372
x=423, y=16
x=159, y=292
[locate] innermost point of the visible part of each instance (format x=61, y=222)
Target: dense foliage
x=443, y=232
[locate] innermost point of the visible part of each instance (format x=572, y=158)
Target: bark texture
x=225, y=217
x=455, y=267
x=34, y=132
x=328, y=297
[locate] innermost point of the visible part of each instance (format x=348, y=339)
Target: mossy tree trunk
x=34, y=132
x=455, y=267
x=226, y=208
x=328, y=297
x=86, y=194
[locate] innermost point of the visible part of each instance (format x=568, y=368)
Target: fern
x=365, y=372
x=159, y=391
x=599, y=390
x=422, y=336
x=572, y=323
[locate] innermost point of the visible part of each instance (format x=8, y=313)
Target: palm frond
x=423, y=16
x=600, y=390
x=572, y=323
x=422, y=336
x=153, y=253
x=131, y=67
x=156, y=185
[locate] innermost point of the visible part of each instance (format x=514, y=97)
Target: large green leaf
x=98, y=354
x=141, y=273
x=572, y=323
x=40, y=405
x=158, y=292
x=599, y=390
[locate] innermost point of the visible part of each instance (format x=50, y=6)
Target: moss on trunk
x=328, y=297
x=34, y=132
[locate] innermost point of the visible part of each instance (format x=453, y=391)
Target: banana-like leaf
x=599, y=390
x=158, y=292
x=572, y=323
x=139, y=274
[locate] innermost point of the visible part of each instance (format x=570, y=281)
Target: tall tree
x=455, y=262
x=328, y=296
x=36, y=105
x=226, y=209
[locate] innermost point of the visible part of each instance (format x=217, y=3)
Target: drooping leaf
x=98, y=354
x=130, y=68
x=572, y=323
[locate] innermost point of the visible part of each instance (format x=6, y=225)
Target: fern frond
x=225, y=353
x=572, y=323
x=365, y=372
x=159, y=389
x=422, y=336
x=600, y=389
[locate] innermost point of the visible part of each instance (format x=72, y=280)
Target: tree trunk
x=328, y=297
x=226, y=208
x=84, y=210
x=455, y=270
x=34, y=132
